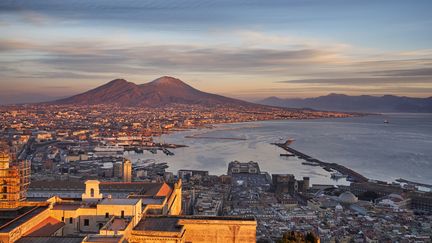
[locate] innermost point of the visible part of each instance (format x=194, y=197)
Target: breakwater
x=352, y=175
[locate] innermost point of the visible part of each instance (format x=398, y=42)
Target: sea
x=401, y=148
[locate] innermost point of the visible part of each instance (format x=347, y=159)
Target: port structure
x=353, y=175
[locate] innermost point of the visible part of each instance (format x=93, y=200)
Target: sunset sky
x=247, y=49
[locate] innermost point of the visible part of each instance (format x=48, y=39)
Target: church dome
x=348, y=198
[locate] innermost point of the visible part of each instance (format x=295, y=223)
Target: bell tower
x=92, y=192
x=14, y=178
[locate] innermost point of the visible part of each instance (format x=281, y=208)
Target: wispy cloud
x=221, y=46
x=364, y=81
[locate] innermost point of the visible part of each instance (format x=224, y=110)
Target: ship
x=289, y=141
x=167, y=152
x=386, y=121
x=337, y=175
x=310, y=163
x=287, y=155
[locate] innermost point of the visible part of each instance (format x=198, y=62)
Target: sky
x=248, y=49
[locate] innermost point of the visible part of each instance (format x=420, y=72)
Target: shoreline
x=391, y=178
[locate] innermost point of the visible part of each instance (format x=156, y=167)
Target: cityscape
x=66, y=176
x=215, y=122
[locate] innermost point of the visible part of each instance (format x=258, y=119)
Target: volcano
x=159, y=92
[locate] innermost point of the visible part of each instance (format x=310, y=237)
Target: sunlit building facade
x=101, y=211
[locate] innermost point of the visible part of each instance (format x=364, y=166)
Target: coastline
x=346, y=161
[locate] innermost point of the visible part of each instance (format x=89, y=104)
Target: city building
x=187, y=174
x=14, y=178
x=236, y=167
x=286, y=183
x=103, y=211
x=118, y=170
x=127, y=171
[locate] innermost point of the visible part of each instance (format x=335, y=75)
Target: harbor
x=337, y=170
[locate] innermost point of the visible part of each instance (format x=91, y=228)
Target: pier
x=400, y=180
x=153, y=149
x=352, y=175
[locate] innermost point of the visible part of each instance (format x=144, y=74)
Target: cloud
x=317, y=67
x=7, y=45
x=362, y=81
x=407, y=72
x=101, y=57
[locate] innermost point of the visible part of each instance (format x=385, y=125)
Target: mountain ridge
x=159, y=92
x=361, y=103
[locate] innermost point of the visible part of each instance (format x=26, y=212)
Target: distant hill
x=363, y=103
x=162, y=91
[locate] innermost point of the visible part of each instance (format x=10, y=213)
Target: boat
x=167, y=152
x=337, y=175
x=287, y=155
x=327, y=169
x=310, y=163
x=289, y=141
x=386, y=121
x=138, y=150
x=153, y=151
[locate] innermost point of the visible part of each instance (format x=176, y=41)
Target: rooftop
x=141, y=188
x=171, y=223
x=103, y=238
x=21, y=219
x=49, y=239
x=115, y=201
x=165, y=224
x=47, y=227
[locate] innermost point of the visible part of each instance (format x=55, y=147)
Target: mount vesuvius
x=162, y=91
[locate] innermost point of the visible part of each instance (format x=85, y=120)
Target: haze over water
x=400, y=149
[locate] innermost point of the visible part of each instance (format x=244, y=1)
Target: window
x=122, y=213
x=92, y=192
x=70, y=220
x=86, y=222
x=106, y=215
x=62, y=219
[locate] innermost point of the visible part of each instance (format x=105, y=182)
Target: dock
x=154, y=149
x=400, y=180
x=352, y=175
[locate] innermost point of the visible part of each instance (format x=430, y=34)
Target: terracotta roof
x=164, y=190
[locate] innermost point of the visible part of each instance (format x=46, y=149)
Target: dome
x=348, y=198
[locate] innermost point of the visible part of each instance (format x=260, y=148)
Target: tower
x=92, y=192
x=127, y=171
x=14, y=178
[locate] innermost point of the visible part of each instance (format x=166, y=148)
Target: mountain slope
x=162, y=91
x=363, y=103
